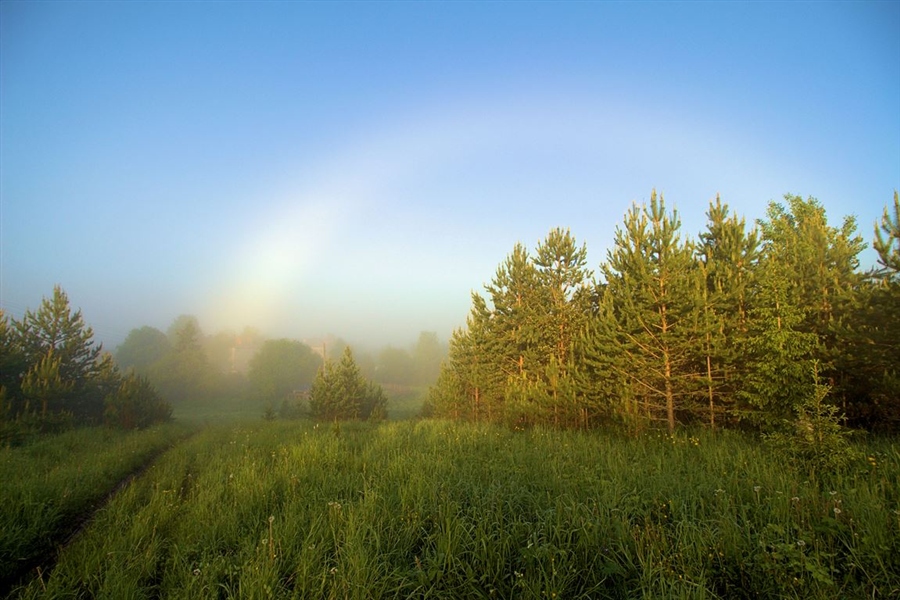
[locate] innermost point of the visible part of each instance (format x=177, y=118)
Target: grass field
x=439, y=510
x=49, y=485
x=404, y=402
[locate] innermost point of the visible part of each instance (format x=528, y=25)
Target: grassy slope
x=434, y=509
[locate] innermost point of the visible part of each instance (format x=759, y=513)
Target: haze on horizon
x=358, y=169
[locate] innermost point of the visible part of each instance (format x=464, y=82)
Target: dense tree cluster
x=742, y=327
x=191, y=368
x=53, y=375
x=184, y=364
x=188, y=366
x=418, y=366
x=282, y=367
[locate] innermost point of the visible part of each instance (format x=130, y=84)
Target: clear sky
x=359, y=168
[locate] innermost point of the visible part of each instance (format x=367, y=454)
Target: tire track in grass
x=41, y=566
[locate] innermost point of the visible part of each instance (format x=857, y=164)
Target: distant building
x=240, y=357
x=319, y=346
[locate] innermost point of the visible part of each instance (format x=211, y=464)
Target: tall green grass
x=440, y=510
x=48, y=486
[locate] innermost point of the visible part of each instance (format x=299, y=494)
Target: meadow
x=433, y=509
x=51, y=484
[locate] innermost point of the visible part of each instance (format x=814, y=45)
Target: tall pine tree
x=563, y=278
x=651, y=287
x=54, y=334
x=728, y=255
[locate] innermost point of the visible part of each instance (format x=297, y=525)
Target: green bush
x=136, y=405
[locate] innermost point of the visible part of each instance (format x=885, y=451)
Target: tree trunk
x=709, y=387
x=670, y=395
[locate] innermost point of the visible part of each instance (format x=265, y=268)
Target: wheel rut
x=40, y=566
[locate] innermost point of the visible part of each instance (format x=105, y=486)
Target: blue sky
x=359, y=168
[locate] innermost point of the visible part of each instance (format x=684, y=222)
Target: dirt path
x=40, y=567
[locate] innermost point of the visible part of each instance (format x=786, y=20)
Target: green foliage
x=13, y=363
x=55, y=329
x=433, y=509
x=815, y=438
x=281, y=367
x=887, y=242
x=514, y=362
x=136, y=404
x=728, y=256
x=53, y=375
x=142, y=348
x=651, y=297
x=339, y=393
x=871, y=355
x=184, y=375
x=721, y=331
x=43, y=385
x=818, y=270
x=373, y=405
x=778, y=355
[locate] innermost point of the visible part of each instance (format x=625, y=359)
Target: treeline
x=766, y=327
x=189, y=367
x=54, y=376
x=184, y=364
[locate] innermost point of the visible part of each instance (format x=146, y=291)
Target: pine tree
x=563, y=276
x=815, y=440
x=54, y=329
x=447, y=396
x=728, y=255
x=135, y=404
x=13, y=365
x=514, y=330
x=650, y=282
x=887, y=243
x=44, y=387
x=463, y=390
x=514, y=361
x=508, y=340
x=871, y=354
x=479, y=362
x=341, y=393
x=603, y=388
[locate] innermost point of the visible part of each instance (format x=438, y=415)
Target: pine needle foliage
x=815, y=439
x=721, y=330
x=340, y=393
